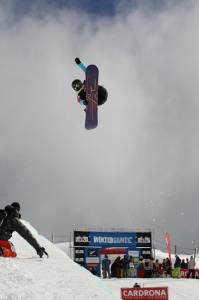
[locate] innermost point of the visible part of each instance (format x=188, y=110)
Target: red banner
x=148, y=293
x=184, y=272
x=113, y=251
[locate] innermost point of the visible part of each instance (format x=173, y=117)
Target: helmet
x=77, y=85
x=16, y=205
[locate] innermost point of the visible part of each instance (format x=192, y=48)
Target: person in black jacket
x=80, y=88
x=9, y=223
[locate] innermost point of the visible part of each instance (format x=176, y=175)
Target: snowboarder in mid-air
x=89, y=93
x=80, y=88
x=10, y=222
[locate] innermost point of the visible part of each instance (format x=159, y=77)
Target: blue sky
x=102, y=7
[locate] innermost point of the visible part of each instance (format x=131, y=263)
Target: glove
x=77, y=60
x=41, y=251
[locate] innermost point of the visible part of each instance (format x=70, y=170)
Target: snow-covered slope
x=179, y=289
x=56, y=278
x=59, y=278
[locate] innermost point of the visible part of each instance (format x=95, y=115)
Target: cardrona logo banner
x=155, y=293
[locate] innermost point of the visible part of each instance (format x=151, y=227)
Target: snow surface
x=58, y=277
x=29, y=277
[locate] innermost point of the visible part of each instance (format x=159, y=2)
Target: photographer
x=9, y=223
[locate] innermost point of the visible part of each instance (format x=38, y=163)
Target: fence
x=157, y=245
x=175, y=249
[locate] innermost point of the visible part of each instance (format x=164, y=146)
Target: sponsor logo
x=112, y=240
x=92, y=260
x=79, y=259
x=145, y=293
x=81, y=239
x=146, y=252
x=144, y=240
x=140, y=293
x=78, y=251
x=92, y=253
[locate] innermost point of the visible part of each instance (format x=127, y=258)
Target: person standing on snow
x=177, y=269
x=80, y=88
x=9, y=223
x=191, y=267
x=106, y=267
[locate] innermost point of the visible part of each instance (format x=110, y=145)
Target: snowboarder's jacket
x=81, y=94
x=10, y=222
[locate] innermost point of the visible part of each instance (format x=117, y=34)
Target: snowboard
x=92, y=74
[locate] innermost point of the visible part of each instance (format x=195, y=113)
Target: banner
x=79, y=256
x=88, y=243
x=108, y=239
x=81, y=238
x=168, y=242
x=184, y=272
x=113, y=239
x=92, y=260
x=149, y=293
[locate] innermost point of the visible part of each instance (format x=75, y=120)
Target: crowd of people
x=129, y=267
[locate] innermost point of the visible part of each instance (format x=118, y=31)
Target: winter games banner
x=112, y=239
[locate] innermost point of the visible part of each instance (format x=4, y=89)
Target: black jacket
x=13, y=223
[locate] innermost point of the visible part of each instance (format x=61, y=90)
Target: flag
x=168, y=242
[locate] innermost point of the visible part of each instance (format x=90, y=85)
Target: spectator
x=136, y=285
x=113, y=268
x=106, y=267
x=118, y=267
x=131, y=271
x=176, y=271
x=156, y=268
x=183, y=264
x=140, y=268
x=163, y=268
x=191, y=267
x=148, y=268
x=125, y=266
x=186, y=263
x=168, y=267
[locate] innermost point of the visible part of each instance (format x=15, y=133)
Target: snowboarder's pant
x=7, y=249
